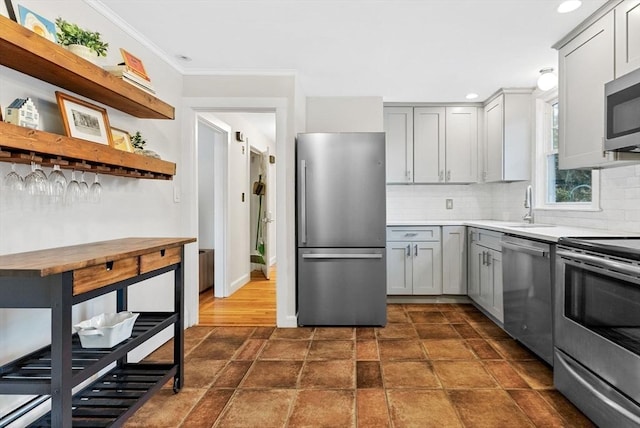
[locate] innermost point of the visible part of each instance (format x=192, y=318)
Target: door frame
x=220, y=199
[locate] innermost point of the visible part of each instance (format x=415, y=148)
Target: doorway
x=244, y=224
x=193, y=109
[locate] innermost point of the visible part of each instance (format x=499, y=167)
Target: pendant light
x=547, y=79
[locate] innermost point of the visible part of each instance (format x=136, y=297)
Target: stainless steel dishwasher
x=527, y=271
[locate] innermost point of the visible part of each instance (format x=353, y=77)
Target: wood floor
x=252, y=305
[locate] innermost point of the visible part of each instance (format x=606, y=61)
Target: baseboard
x=238, y=283
x=290, y=321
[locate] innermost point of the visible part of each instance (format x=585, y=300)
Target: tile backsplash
x=619, y=201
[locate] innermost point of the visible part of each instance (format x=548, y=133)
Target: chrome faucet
x=528, y=203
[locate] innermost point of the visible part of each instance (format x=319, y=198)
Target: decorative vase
x=84, y=52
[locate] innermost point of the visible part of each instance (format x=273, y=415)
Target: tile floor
x=441, y=365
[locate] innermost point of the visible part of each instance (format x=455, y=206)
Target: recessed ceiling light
x=471, y=96
x=183, y=58
x=569, y=6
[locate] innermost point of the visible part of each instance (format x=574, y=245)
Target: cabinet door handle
x=484, y=258
x=416, y=250
x=408, y=250
x=441, y=176
x=449, y=175
x=488, y=258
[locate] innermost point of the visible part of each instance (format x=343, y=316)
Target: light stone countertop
x=543, y=232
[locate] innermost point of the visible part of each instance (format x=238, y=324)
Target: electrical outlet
x=449, y=204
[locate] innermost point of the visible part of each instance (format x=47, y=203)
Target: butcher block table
x=59, y=278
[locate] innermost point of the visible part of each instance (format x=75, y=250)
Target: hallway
x=252, y=305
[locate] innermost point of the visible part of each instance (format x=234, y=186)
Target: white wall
x=345, y=114
x=129, y=207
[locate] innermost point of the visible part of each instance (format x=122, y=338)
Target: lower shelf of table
x=116, y=395
x=32, y=374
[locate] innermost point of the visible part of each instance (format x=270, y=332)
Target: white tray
x=106, y=330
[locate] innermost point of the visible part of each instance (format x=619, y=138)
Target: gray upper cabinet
x=398, y=125
x=600, y=49
x=627, y=37
x=428, y=145
x=507, y=137
x=586, y=64
x=461, y=150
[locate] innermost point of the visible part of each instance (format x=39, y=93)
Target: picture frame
x=121, y=140
x=134, y=64
x=84, y=120
x=33, y=21
x=11, y=13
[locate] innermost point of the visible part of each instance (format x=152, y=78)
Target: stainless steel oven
x=597, y=327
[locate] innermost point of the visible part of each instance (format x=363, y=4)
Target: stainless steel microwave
x=622, y=113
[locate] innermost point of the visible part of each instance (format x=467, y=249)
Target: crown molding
x=105, y=11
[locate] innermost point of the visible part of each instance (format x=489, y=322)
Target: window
x=574, y=189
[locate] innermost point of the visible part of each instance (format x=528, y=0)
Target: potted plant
x=86, y=44
x=138, y=142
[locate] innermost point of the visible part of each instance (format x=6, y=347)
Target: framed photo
x=121, y=140
x=84, y=120
x=36, y=23
x=134, y=64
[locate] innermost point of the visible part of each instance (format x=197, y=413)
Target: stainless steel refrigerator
x=341, y=224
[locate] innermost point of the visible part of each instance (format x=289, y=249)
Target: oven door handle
x=600, y=262
x=600, y=393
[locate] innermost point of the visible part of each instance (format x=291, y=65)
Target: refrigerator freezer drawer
x=342, y=286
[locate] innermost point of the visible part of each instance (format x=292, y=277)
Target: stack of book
x=123, y=72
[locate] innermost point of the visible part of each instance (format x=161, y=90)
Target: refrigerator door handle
x=341, y=256
x=303, y=201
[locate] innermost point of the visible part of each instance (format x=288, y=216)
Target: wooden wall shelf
x=29, y=53
x=23, y=145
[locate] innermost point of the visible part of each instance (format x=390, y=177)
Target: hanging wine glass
x=73, y=190
x=57, y=184
x=95, y=192
x=13, y=181
x=84, y=189
x=36, y=183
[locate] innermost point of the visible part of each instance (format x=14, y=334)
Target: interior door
x=265, y=216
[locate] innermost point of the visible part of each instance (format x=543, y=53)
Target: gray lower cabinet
x=414, y=261
x=485, y=270
x=454, y=260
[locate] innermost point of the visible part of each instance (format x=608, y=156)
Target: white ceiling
x=402, y=50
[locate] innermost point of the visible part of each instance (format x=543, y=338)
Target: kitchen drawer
x=93, y=277
x=420, y=233
x=160, y=259
x=487, y=238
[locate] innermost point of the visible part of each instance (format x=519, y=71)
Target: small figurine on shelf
x=23, y=112
x=138, y=144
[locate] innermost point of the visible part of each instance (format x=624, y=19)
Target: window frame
x=543, y=110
